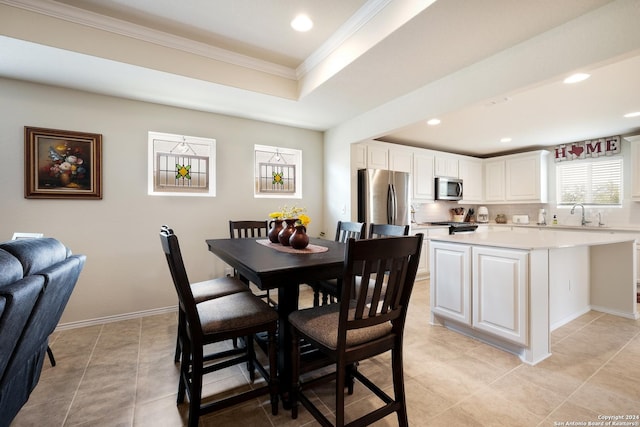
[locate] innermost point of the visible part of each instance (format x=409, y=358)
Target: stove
x=458, y=227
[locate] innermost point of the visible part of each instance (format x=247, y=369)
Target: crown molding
x=359, y=19
x=127, y=29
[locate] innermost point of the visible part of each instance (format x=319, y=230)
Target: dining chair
x=330, y=288
x=248, y=229
x=387, y=230
x=203, y=291
x=359, y=327
x=237, y=315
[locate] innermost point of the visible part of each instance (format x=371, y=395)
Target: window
x=278, y=172
x=181, y=165
x=590, y=182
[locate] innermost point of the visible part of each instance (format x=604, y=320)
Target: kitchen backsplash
x=628, y=214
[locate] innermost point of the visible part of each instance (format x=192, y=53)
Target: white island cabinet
x=513, y=289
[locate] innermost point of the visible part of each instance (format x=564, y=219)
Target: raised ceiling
x=368, y=69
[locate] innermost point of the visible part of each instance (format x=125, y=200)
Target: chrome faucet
x=573, y=209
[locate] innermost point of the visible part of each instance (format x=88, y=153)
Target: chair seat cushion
x=234, y=312
x=216, y=288
x=321, y=324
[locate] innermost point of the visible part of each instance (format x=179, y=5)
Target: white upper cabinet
x=471, y=175
x=494, y=180
x=446, y=166
x=380, y=155
x=423, y=177
x=358, y=156
x=377, y=157
x=400, y=160
x=516, y=178
x=526, y=177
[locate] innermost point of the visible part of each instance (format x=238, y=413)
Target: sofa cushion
x=36, y=254
x=16, y=303
x=11, y=270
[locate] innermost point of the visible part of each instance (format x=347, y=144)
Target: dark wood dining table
x=269, y=268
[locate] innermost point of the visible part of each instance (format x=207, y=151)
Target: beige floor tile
x=122, y=373
x=569, y=413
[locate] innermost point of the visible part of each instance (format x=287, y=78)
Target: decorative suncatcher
x=277, y=174
x=183, y=165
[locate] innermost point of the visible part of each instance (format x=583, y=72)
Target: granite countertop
x=528, y=239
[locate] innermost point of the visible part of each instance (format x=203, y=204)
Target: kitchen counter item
x=501, y=219
x=483, y=215
x=520, y=219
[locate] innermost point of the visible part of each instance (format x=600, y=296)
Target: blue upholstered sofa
x=37, y=277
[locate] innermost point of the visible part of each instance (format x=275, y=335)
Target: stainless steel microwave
x=448, y=188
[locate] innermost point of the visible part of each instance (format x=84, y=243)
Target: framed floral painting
x=62, y=164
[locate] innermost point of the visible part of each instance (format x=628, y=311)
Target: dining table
x=272, y=266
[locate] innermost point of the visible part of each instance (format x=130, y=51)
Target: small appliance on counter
x=520, y=219
x=501, y=219
x=542, y=217
x=483, y=215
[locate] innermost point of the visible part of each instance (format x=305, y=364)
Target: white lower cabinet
x=451, y=281
x=500, y=288
x=482, y=287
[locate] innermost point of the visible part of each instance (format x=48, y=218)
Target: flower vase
x=276, y=226
x=286, y=232
x=299, y=239
x=65, y=179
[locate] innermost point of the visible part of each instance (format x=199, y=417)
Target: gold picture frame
x=62, y=164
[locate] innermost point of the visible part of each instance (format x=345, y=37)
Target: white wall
x=126, y=271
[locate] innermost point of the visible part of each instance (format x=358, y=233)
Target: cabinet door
x=400, y=160
x=523, y=179
x=358, y=156
x=471, y=174
x=500, y=292
x=377, y=157
x=423, y=183
x=494, y=181
x=451, y=281
x=446, y=166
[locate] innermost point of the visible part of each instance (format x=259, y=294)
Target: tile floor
x=122, y=374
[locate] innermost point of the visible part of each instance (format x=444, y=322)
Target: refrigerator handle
x=392, y=207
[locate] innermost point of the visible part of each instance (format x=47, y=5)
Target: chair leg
x=316, y=297
x=398, y=385
x=51, y=358
x=341, y=370
x=195, y=388
x=251, y=357
x=273, y=372
x=295, y=374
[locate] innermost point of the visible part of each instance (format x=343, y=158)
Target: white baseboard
x=116, y=318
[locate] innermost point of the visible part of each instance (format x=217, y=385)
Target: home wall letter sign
x=588, y=149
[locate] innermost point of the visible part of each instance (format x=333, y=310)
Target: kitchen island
x=512, y=289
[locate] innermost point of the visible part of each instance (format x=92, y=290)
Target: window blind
x=595, y=182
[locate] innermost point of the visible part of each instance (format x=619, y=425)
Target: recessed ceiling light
x=507, y=139
x=575, y=78
x=433, y=122
x=634, y=114
x=302, y=23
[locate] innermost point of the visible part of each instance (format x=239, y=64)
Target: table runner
x=311, y=249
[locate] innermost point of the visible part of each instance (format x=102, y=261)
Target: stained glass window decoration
x=278, y=172
x=181, y=165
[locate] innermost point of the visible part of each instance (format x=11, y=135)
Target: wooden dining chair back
x=330, y=288
x=244, y=229
x=237, y=315
x=251, y=229
x=203, y=291
x=361, y=326
x=387, y=230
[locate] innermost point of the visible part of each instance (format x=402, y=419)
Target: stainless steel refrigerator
x=384, y=197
